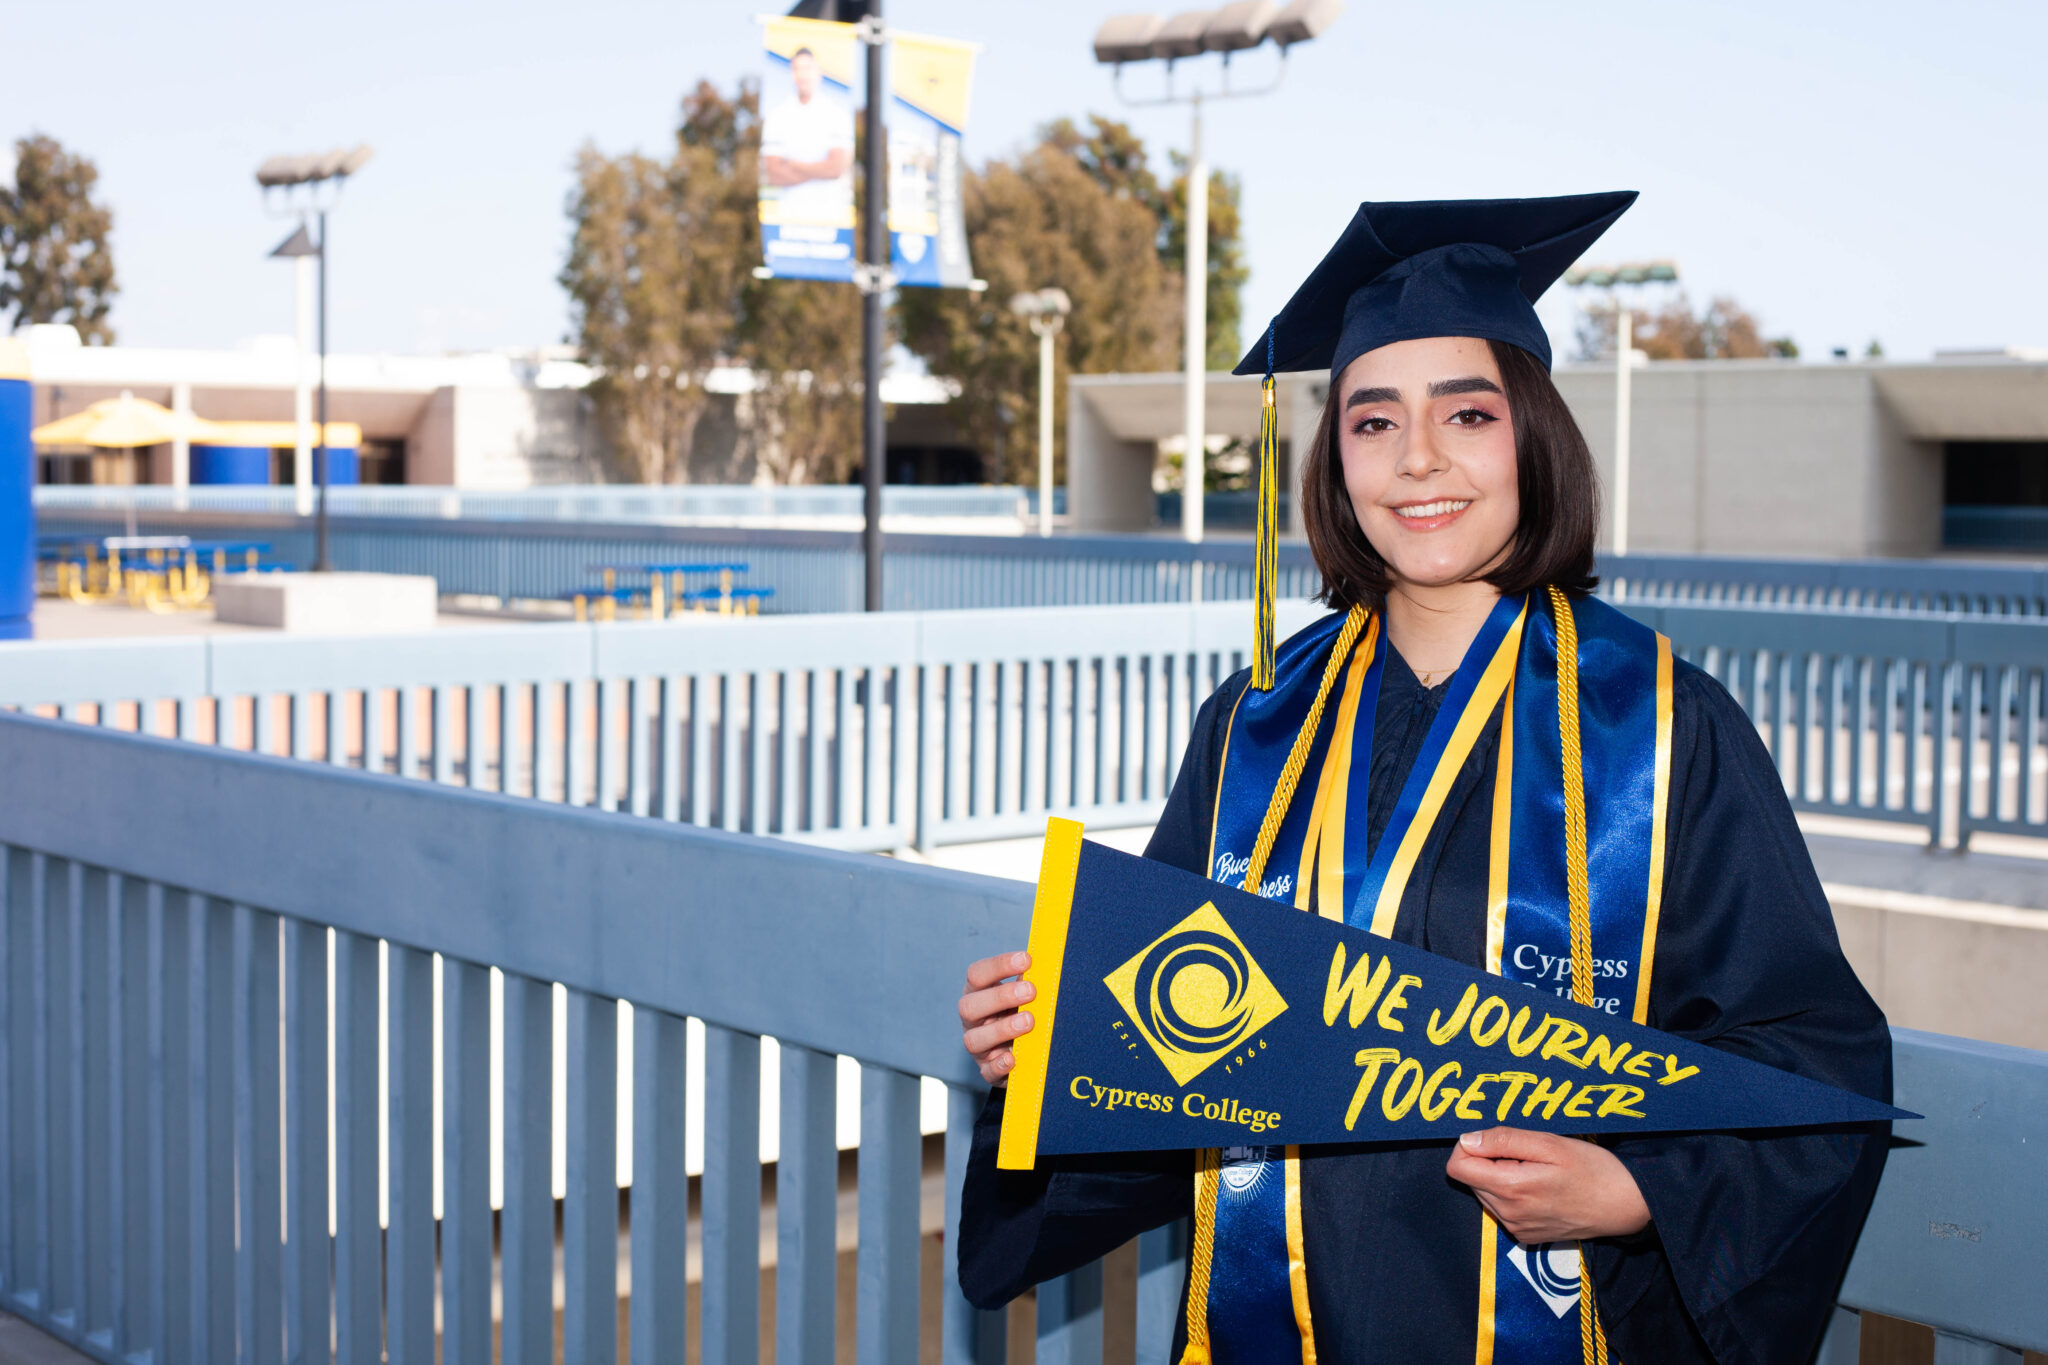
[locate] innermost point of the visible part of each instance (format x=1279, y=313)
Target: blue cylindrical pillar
x=213, y=464
x=344, y=466
x=17, y=505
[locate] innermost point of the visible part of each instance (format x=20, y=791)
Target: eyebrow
x=1442, y=388
x=1362, y=396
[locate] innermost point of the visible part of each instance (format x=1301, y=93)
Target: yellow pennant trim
x=1017, y=1150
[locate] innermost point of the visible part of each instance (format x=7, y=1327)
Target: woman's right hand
x=990, y=1019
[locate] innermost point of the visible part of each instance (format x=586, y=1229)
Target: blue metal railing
x=563, y=502
x=926, y=728
x=1995, y=528
x=820, y=570
x=170, y=917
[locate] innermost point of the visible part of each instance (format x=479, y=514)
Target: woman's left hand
x=1546, y=1188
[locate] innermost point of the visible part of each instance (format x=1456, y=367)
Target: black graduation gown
x=1749, y=1233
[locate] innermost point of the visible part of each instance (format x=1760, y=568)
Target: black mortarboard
x=1433, y=268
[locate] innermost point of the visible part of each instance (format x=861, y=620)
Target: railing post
x=210, y=1116
x=1162, y=1269
x=731, y=1198
x=971, y=1337
x=1842, y=1345
x=661, y=1185
x=258, y=1295
x=409, y=1212
x=1070, y=1318
x=358, y=1252
x=889, y=1244
x=931, y=753
x=465, y=1160
x=527, y=1237
x=305, y=1096
x=1944, y=720
x=590, y=1213
x=807, y=1209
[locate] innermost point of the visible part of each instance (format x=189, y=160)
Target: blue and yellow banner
x=1176, y=1012
x=806, y=190
x=930, y=83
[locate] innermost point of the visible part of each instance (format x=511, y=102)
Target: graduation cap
x=1434, y=268
x=1429, y=268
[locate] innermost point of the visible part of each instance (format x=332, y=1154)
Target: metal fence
x=561, y=502
x=810, y=571
x=857, y=731
x=172, y=917
x=1935, y=719
x=926, y=728
x=1943, y=585
x=820, y=570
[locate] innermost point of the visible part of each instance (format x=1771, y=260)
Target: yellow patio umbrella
x=117, y=423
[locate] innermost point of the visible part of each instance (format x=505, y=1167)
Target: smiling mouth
x=1430, y=511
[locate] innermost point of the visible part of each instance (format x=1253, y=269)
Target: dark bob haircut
x=1559, y=491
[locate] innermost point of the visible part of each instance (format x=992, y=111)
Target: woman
x=1475, y=757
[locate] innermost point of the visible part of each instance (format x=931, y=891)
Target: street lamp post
x=1233, y=28
x=321, y=175
x=1046, y=310
x=1607, y=277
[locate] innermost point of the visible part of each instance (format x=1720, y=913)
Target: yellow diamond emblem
x=1195, y=994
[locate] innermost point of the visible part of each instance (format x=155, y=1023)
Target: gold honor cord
x=1592, y=1341
x=1297, y=757
x=1201, y=1250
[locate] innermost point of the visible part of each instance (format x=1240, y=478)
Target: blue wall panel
x=17, y=511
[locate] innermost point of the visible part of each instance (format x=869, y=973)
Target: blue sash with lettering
x=1252, y=1302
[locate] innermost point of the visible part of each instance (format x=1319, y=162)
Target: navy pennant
x=1175, y=1012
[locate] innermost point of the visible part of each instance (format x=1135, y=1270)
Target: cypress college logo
x=1195, y=994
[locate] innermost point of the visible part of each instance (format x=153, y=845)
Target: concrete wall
x=494, y=438
x=1109, y=480
x=1948, y=966
x=1763, y=457
x=430, y=445
x=1729, y=456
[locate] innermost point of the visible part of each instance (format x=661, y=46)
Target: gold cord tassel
x=1578, y=894
x=1266, y=574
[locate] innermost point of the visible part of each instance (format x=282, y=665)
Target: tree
x=658, y=258
x=661, y=288
x=1115, y=158
x=56, y=263
x=802, y=340
x=1051, y=216
x=1724, y=330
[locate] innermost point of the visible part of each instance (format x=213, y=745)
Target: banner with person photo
x=930, y=83
x=806, y=193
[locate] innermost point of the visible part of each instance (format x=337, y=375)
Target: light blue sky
x=1848, y=170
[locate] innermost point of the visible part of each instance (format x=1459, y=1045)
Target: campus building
x=1729, y=456
x=483, y=420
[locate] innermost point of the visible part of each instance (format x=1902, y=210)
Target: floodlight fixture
x=1041, y=303
x=300, y=243
x=1303, y=20
x=1126, y=38
x=282, y=172
x=1181, y=36
x=1239, y=25
x=1631, y=272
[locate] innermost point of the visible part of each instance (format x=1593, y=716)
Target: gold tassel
x=1266, y=574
